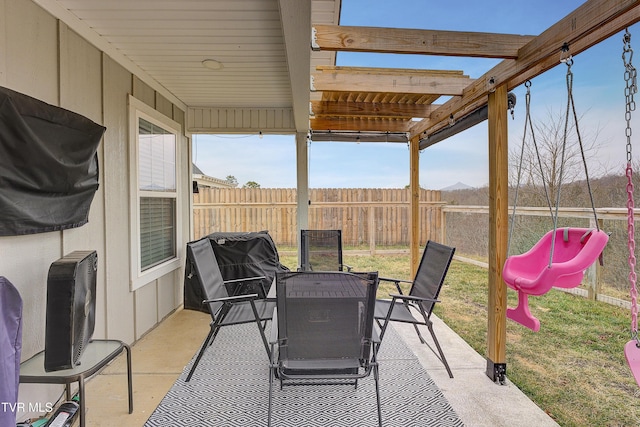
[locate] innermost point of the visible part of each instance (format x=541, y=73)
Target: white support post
x=302, y=193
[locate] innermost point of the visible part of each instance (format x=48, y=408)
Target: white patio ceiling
x=263, y=46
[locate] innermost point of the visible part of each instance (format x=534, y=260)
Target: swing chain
x=632, y=259
x=630, y=78
x=631, y=88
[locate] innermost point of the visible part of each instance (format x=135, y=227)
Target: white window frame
x=139, y=110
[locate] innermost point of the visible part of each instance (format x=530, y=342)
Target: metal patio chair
x=323, y=331
x=422, y=296
x=321, y=250
x=225, y=310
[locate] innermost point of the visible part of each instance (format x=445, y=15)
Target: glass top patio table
x=96, y=355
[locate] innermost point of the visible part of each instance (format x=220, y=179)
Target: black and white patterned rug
x=231, y=384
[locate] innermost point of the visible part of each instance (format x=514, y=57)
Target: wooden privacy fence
x=367, y=217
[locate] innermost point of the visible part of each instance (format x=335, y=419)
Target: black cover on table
x=240, y=255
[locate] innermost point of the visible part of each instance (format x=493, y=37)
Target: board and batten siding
x=45, y=58
x=239, y=120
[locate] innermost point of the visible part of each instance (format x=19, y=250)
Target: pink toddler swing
x=563, y=254
x=531, y=274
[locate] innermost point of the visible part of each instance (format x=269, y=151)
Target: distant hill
x=457, y=186
x=608, y=191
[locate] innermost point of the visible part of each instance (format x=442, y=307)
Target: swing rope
x=571, y=107
x=630, y=89
x=528, y=124
x=568, y=60
x=584, y=159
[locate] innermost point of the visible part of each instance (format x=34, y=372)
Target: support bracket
x=497, y=372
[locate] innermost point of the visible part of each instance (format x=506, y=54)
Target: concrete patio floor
x=160, y=356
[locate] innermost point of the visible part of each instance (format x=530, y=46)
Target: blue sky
x=598, y=95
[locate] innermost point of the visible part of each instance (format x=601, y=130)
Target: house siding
x=43, y=58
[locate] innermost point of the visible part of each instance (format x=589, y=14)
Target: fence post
x=594, y=273
x=443, y=226
x=372, y=231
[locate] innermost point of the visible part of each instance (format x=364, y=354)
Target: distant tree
x=251, y=184
x=232, y=180
x=549, y=135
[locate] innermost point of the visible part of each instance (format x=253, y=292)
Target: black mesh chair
x=423, y=296
x=321, y=250
x=225, y=310
x=324, y=331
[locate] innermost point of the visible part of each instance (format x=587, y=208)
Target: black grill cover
x=48, y=165
x=239, y=255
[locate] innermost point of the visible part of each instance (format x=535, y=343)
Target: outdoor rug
x=231, y=384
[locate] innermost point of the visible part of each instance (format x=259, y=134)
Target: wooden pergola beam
x=415, y=41
x=372, y=109
x=594, y=21
x=360, y=124
x=426, y=84
x=602, y=33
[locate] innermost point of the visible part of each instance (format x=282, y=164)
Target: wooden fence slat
x=373, y=217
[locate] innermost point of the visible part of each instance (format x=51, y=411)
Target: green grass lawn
x=574, y=367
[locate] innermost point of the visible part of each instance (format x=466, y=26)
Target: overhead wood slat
x=368, y=82
x=360, y=124
x=414, y=41
x=388, y=71
x=374, y=109
x=378, y=97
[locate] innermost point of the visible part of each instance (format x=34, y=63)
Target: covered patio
x=254, y=67
x=476, y=401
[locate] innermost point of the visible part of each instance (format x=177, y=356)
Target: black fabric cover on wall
x=48, y=165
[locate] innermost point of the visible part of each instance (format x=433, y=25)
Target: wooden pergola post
x=498, y=233
x=414, y=185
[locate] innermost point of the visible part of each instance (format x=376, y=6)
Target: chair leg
x=384, y=326
x=261, y=329
x=442, y=358
x=207, y=342
x=271, y=369
x=375, y=378
x=415, y=326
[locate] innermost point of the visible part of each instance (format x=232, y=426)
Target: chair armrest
x=238, y=298
x=396, y=282
x=386, y=279
x=244, y=279
x=412, y=298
